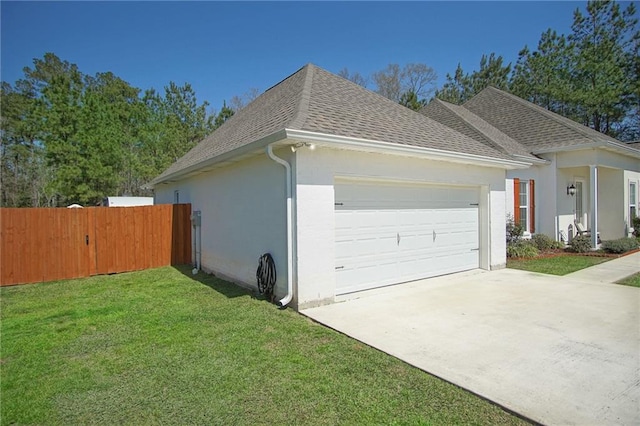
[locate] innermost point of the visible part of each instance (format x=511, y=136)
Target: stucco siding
x=545, y=201
x=243, y=216
x=611, y=218
x=315, y=175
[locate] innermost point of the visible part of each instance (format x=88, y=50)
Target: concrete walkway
x=557, y=350
x=609, y=272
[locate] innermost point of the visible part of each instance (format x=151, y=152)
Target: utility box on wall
x=196, y=218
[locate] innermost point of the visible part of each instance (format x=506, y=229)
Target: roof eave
x=394, y=148
x=227, y=156
x=599, y=144
x=532, y=160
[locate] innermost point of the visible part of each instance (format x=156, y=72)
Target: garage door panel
x=357, y=219
x=364, y=248
x=386, y=234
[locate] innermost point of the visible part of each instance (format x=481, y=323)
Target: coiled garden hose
x=266, y=275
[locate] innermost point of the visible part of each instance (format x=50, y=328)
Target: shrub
x=621, y=245
x=545, y=243
x=636, y=226
x=522, y=248
x=514, y=230
x=581, y=244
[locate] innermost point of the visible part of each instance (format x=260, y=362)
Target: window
x=524, y=204
x=632, y=202
x=176, y=197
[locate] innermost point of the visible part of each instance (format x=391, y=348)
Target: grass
x=160, y=346
x=558, y=265
x=633, y=280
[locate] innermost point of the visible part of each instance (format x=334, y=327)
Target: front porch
x=594, y=188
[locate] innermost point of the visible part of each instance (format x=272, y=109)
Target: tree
x=492, y=72
x=400, y=85
x=543, y=76
x=24, y=175
x=57, y=114
x=410, y=100
x=355, y=77
x=592, y=74
x=461, y=86
x=457, y=89
x=602, y=41
x=73, y=138
x=111, y=119
x=239, y=102
x=174, y=123
x=388, y=82
x=224, y=114
x=419, y=80
x=630, y=126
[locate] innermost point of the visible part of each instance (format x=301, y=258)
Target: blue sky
x=224, y=49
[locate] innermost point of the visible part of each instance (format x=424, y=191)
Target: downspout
x=285, y=300
x=196, y=223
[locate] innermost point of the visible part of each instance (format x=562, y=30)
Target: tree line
x=591, y=75
x=68, y=137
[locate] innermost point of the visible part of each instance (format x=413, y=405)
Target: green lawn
x=559, y=265
x=633, y=280
x=162, y=347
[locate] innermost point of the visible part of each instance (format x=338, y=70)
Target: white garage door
x=388, y=233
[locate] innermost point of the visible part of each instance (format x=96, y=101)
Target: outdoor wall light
x=295, y=147
x=571, y=190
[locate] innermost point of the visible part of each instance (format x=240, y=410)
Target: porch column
x=593, y=189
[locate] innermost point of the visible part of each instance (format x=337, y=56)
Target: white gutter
x=227, y=156
x=287, y=167
x=616, y=146
x=391, y=148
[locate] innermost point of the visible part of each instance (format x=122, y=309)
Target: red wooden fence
x=47, y=244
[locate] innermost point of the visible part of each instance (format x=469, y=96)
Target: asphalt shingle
x=316, y=100
x=464, y=121
x=531, y=125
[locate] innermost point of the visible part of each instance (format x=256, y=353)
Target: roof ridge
x=558, y=118
x=305, y=99
x=455, y=110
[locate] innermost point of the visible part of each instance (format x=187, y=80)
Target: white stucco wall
x=555, y=209
x=545, y=200
x=243, y=216
x=566, y=203
x=315, y=174
x=614, y=172
x=611, y=211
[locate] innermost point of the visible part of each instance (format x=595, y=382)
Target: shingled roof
x=536, y=128
x=315, y=100
x=469, y=124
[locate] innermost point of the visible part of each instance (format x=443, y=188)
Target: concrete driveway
x=557, y=350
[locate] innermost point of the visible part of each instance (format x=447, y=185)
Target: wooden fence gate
x=47, y=244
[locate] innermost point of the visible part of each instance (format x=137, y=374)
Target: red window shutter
x=532, y=205
x=516, y=200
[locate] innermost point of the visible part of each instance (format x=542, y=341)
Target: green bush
x=621, y=245
x=636, y=226
x=514, y=230
x=522, y=248
x=545, y=243
x=581, y=244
